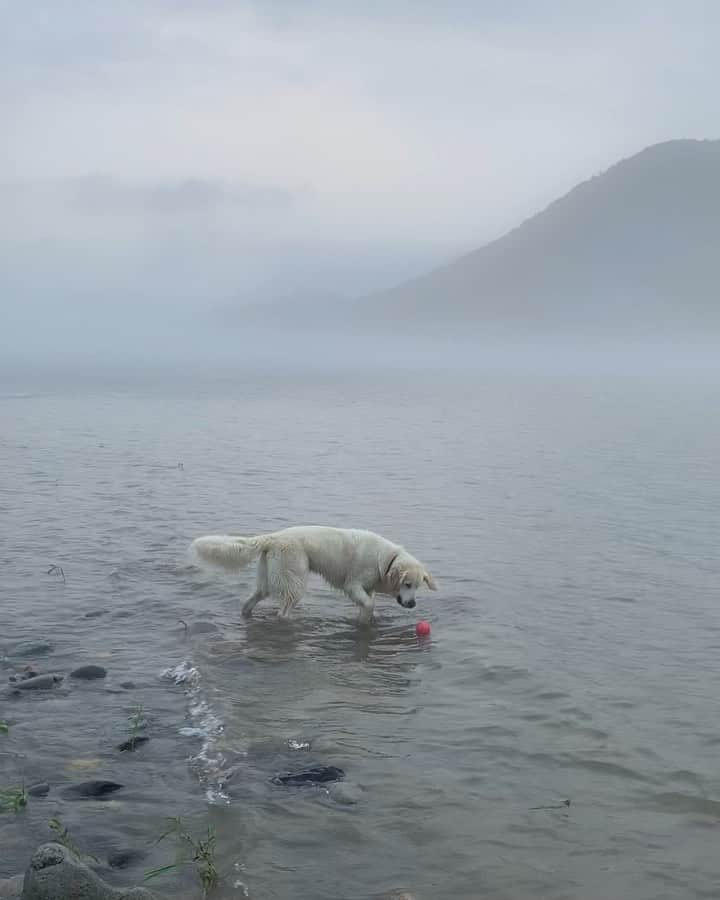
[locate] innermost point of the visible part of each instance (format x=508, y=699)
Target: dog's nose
x=411, y=604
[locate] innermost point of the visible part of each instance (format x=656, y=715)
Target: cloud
x=247, y=149
x=105, y=195
x=416, y=118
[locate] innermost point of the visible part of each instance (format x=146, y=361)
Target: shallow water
x=572, y=526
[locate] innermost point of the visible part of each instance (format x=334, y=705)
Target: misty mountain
x=634, y=250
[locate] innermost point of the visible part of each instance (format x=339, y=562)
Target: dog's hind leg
x=287, y=578
x=261, y=588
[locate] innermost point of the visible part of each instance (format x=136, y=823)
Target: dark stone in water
x=32, y=648
x=39, y=790
x=201, y=627
x=95, y=613
x=88, y=673
x=316, y=775
x=128, y=685
x=37, y=683
x=132, y=743
x=121, y=859
x=91, y=789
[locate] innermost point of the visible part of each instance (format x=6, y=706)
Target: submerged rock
x=133, y=743
x=37, y=683
x=202, y=627
x=345, y=794
x=11, y=888
x=127, y=856
x=32, y=648
x=88, y=673
x=84, y=763
x=39, y=790
x=92, y=789
x=56, y=873
x=316, y=775
x=27, y=672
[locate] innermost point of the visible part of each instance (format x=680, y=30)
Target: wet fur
x=359, y=563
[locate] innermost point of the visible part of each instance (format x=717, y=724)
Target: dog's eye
x=408, y=584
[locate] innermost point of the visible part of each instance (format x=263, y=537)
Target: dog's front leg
x=366, y=602
x=252, y=602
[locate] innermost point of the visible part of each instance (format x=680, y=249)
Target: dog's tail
x=228, y=551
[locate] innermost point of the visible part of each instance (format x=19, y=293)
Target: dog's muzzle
x=406, y=604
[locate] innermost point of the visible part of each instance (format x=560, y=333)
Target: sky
x=162, y=161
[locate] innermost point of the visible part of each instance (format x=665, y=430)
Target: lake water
x=572, y=526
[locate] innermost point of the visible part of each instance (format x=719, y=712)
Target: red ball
x=422, y=629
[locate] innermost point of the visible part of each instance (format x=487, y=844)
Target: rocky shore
x=57, y=873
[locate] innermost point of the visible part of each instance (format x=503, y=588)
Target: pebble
x=88, y=673
x=91, y=789
x=39, y=790
x=128, y=685
x=95, y=613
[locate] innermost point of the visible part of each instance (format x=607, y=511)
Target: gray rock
x=91, y=789
x=37, y=683
x=128, y=685
x=95, y=613
x=88, y=673
x=56, y=873
x=32, y=648
x=39, y=790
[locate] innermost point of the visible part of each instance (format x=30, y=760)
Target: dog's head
x=410, y=577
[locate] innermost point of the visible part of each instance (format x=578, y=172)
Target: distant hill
x=635, y=250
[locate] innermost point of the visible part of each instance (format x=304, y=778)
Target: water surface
x=571, y=524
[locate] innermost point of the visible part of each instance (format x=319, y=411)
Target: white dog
x=359, y=563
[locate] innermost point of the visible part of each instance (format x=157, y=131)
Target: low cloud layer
x=199, y=154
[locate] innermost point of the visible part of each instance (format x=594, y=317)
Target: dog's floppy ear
x=429, y=581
